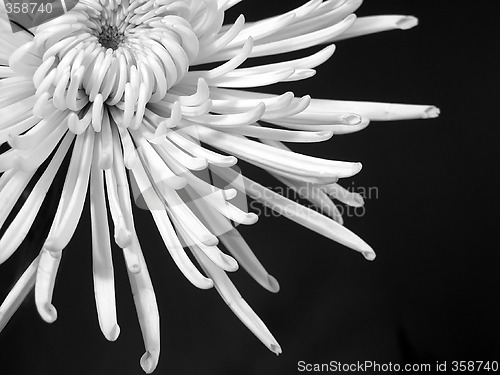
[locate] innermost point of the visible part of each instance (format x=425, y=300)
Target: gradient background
x=432, y=292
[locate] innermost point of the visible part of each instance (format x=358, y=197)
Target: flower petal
x=18, y=293
x=102, y=263
x=376, y=24
x=233, y=299
x=20, y=226
x=147, y=313
x=73, y=194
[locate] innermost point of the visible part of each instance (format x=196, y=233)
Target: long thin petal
x=18, y=293
x=233, y=299
x=373, y=110
x=20, y=226
x=102, y=263
x=376, y=24
x=147, y=313
x=73, y=195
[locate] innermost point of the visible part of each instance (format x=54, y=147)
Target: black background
x=431, y=294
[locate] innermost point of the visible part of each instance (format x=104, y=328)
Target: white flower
x=110, y=85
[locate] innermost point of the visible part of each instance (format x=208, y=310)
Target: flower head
x=142, y=95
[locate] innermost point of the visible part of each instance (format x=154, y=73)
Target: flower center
x=111, y=37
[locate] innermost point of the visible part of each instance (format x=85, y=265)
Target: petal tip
x=53, y=247
x=48, y=312
x=407, y=22
x=273, y=284
x=252, y=218
x=432, y=112
x=209, y=240
x=359, y=201
x=275, y=348
x=123, y=238
x=149, y=361
x=134, y=268
x=113, y=333
x=369, y=255
x=352, y=119
x=357, y=168
x=231, y=265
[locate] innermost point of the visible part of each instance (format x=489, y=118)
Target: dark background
x=432, y=292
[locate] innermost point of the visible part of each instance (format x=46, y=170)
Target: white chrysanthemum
x=109, y=85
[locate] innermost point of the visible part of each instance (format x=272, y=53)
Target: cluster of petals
x=151, y=93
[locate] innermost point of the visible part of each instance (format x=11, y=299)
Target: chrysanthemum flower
x=111, y=86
